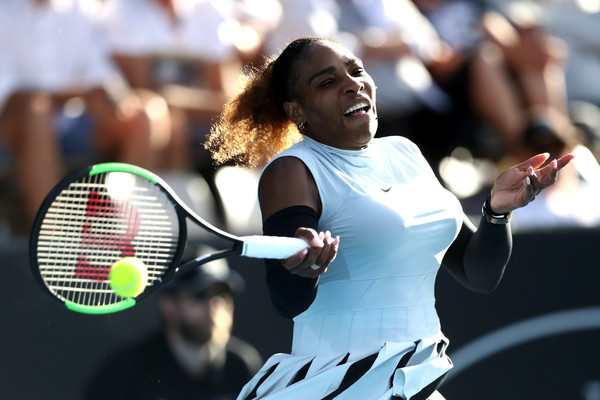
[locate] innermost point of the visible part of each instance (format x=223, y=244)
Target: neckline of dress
x=336, y=150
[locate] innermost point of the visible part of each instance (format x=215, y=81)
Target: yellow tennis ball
x=128, y=277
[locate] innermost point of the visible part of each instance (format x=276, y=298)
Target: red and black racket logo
x=109, y=227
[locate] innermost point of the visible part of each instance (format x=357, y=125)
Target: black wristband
x=494, y=217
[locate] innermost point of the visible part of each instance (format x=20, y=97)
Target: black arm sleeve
x=478, y=257
x=290, y=294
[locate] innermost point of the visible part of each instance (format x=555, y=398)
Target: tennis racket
x=104, y=213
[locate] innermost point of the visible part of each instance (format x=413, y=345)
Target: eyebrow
x=330, y=69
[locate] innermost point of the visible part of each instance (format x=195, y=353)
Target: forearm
x=477, y=259
x=290, y=294
x=486, y=255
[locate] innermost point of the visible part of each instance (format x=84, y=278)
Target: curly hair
x=254, y=126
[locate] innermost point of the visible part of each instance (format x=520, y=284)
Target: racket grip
x=271, y=246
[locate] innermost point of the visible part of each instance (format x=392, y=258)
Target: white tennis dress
x=375, y=306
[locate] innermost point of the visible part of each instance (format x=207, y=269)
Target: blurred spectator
x=256, y=21
x=533, y=59
x=54, y=65
x=185, y=51
x=536, y=60
x=194, y=355
x=577, y=23
x=318, y=19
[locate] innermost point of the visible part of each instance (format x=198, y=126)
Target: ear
x=294, y=111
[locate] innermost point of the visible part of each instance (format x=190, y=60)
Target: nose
x=353, y=85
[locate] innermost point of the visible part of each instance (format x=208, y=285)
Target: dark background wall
x=536, y=337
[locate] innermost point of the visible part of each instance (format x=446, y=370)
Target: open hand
x=517, y=186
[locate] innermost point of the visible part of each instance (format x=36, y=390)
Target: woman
x=365, y=324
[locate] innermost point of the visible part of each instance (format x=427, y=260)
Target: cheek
x=323, y=109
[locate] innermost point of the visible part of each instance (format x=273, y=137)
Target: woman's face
x=335, y=98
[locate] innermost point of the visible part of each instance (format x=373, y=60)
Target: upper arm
x=287, y=182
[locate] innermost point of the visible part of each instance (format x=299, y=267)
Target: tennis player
x=379, y=223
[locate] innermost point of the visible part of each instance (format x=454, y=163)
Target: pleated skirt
x=399, y=370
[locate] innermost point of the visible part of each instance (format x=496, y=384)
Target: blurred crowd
x=477, y=84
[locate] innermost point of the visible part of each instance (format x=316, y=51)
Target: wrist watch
x=492, y=217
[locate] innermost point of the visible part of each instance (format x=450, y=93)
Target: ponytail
x=253, y=126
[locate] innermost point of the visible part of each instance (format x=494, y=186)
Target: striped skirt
x=397, y=371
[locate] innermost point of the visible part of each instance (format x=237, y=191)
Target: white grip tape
x=271, y=246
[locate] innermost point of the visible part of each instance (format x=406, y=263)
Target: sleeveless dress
x=372, y=331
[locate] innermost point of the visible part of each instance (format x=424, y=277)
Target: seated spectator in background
x=318, y=19
x=576, y=22
x=52, y=56
x=185, y=50
x=194, y=355
x=525, y=100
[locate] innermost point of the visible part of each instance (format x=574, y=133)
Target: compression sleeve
x=477, y=258
x=290, y=294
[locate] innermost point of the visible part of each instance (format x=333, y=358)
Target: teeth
x=356, y=107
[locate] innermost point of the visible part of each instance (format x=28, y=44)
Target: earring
x=301, y=126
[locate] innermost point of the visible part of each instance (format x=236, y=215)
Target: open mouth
x=358, y=108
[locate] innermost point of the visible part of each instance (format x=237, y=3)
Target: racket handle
x=271, y=246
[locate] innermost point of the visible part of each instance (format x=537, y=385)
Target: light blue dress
x=395, y=222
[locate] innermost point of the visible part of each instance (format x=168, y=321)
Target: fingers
x=534, y=162
x=533, y=182
x=564, y=160
x=313, y=261
x=549, y=174
x=328, y=252
x=532, y=187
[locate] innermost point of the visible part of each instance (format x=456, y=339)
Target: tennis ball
x=128, y=277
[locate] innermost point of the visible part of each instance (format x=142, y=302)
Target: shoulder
x=286, y=182
x=289, y=168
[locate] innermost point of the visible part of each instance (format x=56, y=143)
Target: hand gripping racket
x=107, y=212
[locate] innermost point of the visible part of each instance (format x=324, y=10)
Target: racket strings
x=93, y=223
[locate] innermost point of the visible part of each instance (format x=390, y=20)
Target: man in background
x=194, y=355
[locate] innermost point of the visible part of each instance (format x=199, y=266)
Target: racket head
x=96, y=217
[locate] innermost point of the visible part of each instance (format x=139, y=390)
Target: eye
x=326, y=82
x=358, y=72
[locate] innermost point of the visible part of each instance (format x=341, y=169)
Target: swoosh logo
x=387, y=189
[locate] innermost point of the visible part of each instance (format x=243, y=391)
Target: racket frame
x=182, y=211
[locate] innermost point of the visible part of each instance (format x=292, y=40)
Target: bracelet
x=493, y=217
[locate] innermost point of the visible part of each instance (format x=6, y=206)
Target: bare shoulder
x=287, y=182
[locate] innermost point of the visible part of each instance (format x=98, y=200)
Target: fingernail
x=547, y=155
x=337, y=240
x=528, y=181
x=317, y=242
x=554, y=164
x=305, y=251
x=530, y=170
